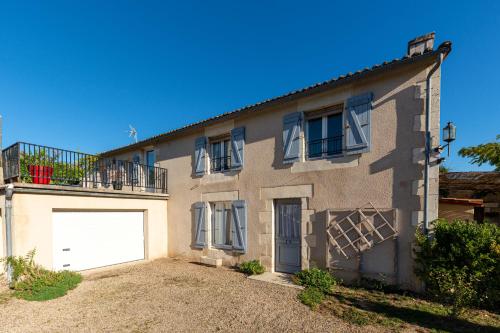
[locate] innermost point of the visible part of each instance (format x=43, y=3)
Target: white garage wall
x=33, y=220
x=85, y=240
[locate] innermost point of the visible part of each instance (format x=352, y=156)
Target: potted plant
x=117, y=181
x=38, y=168
x=41, y=174
x=117, y=184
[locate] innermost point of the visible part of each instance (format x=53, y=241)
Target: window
x=220, y=155
x=325, y=135
x=222, y=224
x=133, y=170
x=150, y=161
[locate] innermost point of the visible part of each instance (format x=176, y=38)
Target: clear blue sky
x=74, y=74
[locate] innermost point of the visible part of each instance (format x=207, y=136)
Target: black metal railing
x=30, y=163
x=219, y=164
x=325, y=147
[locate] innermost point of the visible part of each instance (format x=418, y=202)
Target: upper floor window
x=220, y=155
x=150, y=158
x=224, y=153
x=150, y=174
x=325, y=135
x=133, y=170
x=331, y=131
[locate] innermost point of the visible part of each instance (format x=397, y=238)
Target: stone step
x=211, y=261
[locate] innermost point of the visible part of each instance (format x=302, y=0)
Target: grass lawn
x=399, y=312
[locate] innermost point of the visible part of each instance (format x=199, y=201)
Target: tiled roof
x=463, y=181
x=315, y=88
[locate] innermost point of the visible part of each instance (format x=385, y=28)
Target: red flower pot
x=41, y=174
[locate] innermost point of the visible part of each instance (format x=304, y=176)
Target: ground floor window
x=222, y=224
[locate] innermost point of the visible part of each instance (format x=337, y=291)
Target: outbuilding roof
x=470, y=182
x=444, y=48
x=462, y=202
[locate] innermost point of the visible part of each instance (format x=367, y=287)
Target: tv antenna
x=132, y=133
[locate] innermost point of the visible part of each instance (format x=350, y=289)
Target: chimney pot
x=421, y=44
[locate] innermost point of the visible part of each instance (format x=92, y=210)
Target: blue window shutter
x=292, y=123
x=237, y=148
x=239, y=217
x=200, y=155
x=200, y=225
x=358, y=125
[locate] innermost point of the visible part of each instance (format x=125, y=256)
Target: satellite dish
x=132, y=133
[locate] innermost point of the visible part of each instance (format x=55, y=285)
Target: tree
x=484, y=153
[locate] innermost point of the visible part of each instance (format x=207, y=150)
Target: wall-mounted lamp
x=449, y=135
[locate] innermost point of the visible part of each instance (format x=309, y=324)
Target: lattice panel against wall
x=361, y=229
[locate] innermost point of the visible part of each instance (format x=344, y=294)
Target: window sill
x=212, y=172
x=326, y=163
x=223, y=247
x=325, y=157
x=226, y=249
x=217, y=177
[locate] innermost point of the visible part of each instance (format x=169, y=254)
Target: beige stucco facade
x=33, y=207
x=390, y=176
x=387, y=175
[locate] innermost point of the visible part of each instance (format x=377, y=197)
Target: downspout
x=9, y=192
x=428, y=139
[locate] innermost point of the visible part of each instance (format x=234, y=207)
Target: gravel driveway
x=169, y=295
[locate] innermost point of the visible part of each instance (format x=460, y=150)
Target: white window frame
x=324, y=134
x=212, y=225
x=211, y=154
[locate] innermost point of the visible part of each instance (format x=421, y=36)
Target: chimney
x=421, y=44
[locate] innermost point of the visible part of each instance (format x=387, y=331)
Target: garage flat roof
x=83, y=191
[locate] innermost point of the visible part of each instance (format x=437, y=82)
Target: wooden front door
x=287, y=235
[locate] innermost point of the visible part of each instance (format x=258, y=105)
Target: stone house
x=267, y=181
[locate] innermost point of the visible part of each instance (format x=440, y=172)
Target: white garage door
x=84, y=240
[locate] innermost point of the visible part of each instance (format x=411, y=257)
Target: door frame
x=274, y=230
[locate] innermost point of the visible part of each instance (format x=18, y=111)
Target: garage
x=90, y=239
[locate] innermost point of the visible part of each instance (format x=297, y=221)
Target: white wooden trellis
x=358, y=232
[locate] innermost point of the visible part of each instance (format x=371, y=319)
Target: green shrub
x=252, y=267
x=316, y=278
x=34, y=283
x=311, y=297
x=460, y=264
x=453, y=287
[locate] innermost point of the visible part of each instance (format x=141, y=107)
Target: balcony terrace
x=48, y=166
